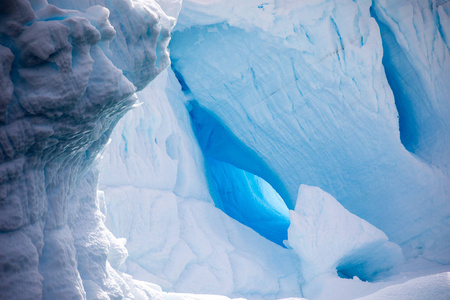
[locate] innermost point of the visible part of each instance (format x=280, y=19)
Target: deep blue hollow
x=250, y=200
x=241, y=194
x=405, y=85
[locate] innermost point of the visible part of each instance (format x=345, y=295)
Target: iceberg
x=330, y=239
x=214, y=149
x=415, y=57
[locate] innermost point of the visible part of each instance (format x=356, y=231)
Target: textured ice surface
x=159, y=202
x=301, y=96
x=349, y=96
x=63, y=90
x=417, y=62
x=153, y=146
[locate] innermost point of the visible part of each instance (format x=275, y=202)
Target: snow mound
x=436, y=287
x=329, y=239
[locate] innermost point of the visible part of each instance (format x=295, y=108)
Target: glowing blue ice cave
x=250, y=200
x=242, y=195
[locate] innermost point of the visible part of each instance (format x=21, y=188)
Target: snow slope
x=426, y=287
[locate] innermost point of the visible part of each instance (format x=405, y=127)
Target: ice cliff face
x=348, y=96
x=69, y=73
x=415, y=39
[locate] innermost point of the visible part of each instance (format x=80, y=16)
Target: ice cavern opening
x=242, y=195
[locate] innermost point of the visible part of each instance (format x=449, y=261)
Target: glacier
x=207, y=149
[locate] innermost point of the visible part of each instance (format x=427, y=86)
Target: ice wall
x=416, y=59
x=301, y=95
x=69, y=70
x=293, y=91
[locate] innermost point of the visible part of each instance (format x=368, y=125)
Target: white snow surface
x=329, y=239
x=435, y=286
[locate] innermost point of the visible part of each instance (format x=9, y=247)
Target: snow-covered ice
x=62, y=93
x=336, y=110
x=330, y=239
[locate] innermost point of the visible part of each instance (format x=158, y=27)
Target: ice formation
x=424, y=287
x=301, y=91
x=63, y=90
x=175, y=235
x=348, y=100
x=330, y=239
